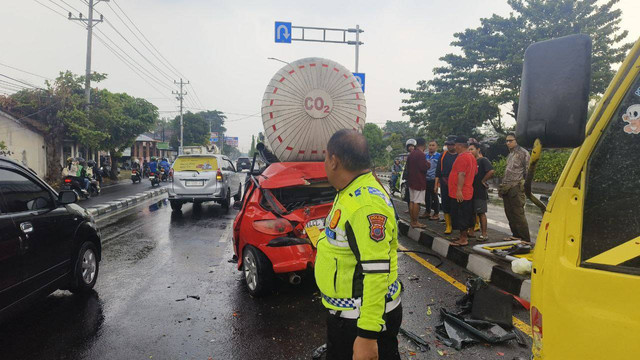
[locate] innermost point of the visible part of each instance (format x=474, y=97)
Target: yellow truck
x=585, y=284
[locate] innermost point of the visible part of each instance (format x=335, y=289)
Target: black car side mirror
x=66, y=197
x=554, y=94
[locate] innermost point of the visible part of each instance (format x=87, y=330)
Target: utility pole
x=180, y=97
x=90, y=22
x=357, y=45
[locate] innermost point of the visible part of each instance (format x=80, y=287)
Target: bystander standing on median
x=410, y=146
x=431, y=195
x=480, y=186
x=417, y=180
x=461, y=190
x=512, y=189
x=442, y=179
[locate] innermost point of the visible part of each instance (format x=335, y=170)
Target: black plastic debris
x=193, y=297
x=478, y=330
x=422, y=345
x=492, y=305
x=453, y=336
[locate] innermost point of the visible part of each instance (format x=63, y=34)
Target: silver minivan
x=197, y=178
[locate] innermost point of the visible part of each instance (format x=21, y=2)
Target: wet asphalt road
x=154, y=259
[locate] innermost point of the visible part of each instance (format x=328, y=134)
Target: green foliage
x=548, y=169
x=4, y=150
x=485, y=72
x=373, y=134
x=252, y=150
x=196, y=127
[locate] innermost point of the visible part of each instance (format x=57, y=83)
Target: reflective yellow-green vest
x=357, y=262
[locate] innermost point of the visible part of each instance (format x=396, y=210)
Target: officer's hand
x=459, y=196
x=365, y=349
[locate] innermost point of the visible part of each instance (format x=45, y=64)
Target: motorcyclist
x=71, y=168
x=135, y=165
x=153, y=166
x=164, y=163
x=95, y=170
x=145, y=168
x=82, y=174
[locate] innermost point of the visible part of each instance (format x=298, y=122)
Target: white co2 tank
x=305, y=103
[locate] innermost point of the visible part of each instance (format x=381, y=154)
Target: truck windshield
x=611, y=223
x=195, y=163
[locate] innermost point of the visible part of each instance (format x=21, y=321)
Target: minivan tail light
x=273, y=227
x=219, y=175
x=67, y=181
x=536, y=330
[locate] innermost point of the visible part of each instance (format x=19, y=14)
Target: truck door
x=591, y=287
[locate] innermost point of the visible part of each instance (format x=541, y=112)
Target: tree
x=216, y=119
x=402, y=128
x=59, y=111
x=252, y=150
x=195, y=129
x=484, y=74
x=373, y=134
x=121, y=118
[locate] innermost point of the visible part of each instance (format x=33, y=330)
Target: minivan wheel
x=257, y=270
x=226, y=203
x=175, y=205
x=86, y=268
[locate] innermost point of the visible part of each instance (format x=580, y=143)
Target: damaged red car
x=282, y=212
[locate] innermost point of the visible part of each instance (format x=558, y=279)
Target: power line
x=150, y=43
x=20, y=81
x=48, y=7
x=24, y=71
x=128, y=64
x=138, y=65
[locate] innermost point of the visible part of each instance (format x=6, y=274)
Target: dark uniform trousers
x=444, y=195
x=431, y=201
x=342, y=333
x=514, y=201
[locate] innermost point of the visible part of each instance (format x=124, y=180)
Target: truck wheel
x=175, y=205
x=258, y=271
x=85, y=270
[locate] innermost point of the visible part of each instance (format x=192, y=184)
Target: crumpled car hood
x=285, y=174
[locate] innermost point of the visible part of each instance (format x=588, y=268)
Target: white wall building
x=25, y=143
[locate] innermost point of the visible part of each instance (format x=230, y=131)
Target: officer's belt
x=355, y=313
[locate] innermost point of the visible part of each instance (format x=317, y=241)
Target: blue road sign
x=360, y=78
x=215, y=140
x=283, y=32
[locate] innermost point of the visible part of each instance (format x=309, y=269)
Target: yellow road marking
x=618, y=254
x=524, y=327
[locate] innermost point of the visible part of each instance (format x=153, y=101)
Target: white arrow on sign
x=285, y=33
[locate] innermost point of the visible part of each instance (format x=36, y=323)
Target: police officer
x=357, y=264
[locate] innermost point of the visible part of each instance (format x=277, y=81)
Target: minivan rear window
x=196, y=163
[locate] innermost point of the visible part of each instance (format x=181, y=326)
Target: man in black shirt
x=442, y=179
x=480, y=185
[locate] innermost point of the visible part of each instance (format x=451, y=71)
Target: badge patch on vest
x=377, y=227
x=335, y=219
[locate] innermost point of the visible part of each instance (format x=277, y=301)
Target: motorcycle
x=392, y=184
x=155, y=180
x=74, y=183
x=163, y=175
x=135, y=176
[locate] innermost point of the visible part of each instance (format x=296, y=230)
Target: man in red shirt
x=461, y=190
x=417, y=180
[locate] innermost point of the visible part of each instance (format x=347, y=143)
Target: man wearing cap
x=460, y=184
x=442, y=179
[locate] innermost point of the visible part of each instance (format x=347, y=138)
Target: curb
x=479, y=265
x=129, y=201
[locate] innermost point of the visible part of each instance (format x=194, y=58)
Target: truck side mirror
x=554, y=93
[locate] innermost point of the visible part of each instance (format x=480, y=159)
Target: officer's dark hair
x=351, y=148
x=421, y=142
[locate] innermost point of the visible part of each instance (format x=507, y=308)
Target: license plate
x=194, y=183
x=319, y=223
x=152, y=177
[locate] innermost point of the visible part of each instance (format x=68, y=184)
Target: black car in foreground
x=46, y=241
x=243, y=163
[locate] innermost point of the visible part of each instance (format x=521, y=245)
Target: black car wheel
x=257, y=270
x=85, y=270
x=175, y=205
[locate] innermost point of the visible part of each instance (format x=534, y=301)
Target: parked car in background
x=198, y=178
x=46, y=241
x=243, y=163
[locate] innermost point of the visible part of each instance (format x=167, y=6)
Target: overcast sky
x=222, y=47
